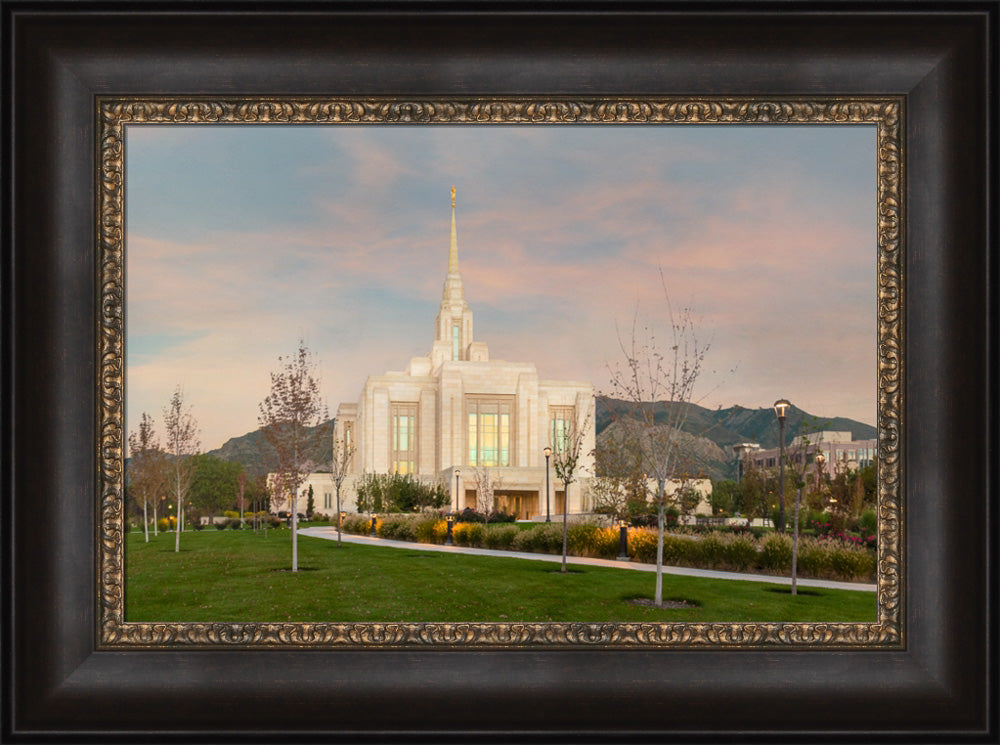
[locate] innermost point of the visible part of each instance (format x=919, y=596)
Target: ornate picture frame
x=74, y=670
x=885, y=114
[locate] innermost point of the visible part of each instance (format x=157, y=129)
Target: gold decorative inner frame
x=114, y=114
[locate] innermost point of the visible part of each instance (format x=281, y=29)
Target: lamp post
x=781, y=407
x=450, y=519
x=374, y=533
x=548, y=454
x=457, y=474
x=623, y=539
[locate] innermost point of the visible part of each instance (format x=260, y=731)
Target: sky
x=243, y=239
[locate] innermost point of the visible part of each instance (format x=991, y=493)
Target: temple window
x=403, y=449
x=489, y=431
x=561, y=420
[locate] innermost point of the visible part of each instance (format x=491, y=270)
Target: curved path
x=330, y=533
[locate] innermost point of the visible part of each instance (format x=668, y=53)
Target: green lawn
x=241, y=576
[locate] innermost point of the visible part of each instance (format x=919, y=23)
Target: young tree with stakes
x=486, y=486
x=147, y=469
x=291, y=417
x=339, y=465
x=798, y=458
x=647, y=377
x=565, y=460
x=182, y=446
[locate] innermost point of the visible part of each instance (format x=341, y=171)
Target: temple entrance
x=521, y=504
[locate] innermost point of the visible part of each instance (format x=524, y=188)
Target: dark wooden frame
x=58, y=57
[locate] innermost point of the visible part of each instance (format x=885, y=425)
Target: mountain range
x=715, y=430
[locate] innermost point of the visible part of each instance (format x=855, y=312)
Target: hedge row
x=823, y=558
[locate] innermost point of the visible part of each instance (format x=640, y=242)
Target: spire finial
x=453, y=253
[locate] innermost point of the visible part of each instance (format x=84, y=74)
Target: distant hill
x=255, y=455
x=724, y=428
x=719, y=429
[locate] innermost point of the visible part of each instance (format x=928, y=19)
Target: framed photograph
x=186, y=210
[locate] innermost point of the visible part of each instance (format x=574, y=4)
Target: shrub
x=712, y=552
x=776, y=553
x=814, y=558
x=220, y=526
x=501, y=536
x=357, y=524
x=868, y=523
x=741, y=553
x=431, y=529
x=851, y=562
x=607, y=542
x=545, y=538
x=162, y=524
x=581, y=539
x=469, y=534
x=230, y=513
x=397, y=528
x=642, y=545
x=235, y=523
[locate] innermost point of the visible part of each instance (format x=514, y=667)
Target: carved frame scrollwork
x=114, y=114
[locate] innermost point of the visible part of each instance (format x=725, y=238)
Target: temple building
x=455, y=410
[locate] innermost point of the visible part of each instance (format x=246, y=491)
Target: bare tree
x=291, y=417
x=648, y=376
x=565, y=460
x=619, y=485
x=182, y=444
x=340, y=462
x=147, y=468
x=486, y=486
x=241, y=488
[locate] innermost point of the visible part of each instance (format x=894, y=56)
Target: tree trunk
x=338, y=516
x=658, y=597
x=795, y=541
x=177, y=527
x=565, y=510
x=145, y=519
x=295, y=524
x=156, y=527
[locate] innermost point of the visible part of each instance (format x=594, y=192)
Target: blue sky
x=241, y=239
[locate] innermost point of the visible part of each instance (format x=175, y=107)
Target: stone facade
x=456, y=410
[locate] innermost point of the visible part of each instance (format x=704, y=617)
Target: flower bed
x=823, y=557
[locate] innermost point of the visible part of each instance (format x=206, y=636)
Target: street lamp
x=781, y=407
x=548, y=453
x=457, y=474
x=374, y=533
x=450, y=519
x=623, y=539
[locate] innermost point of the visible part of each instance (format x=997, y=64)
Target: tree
x=291, y=417
x=486, y=486
x=147, y=469
x=182, y=445
x=619, y=487
x=646, y=376
x=310, y=501
x=215, y=484
x=340, y=463
x=565, y=460
x=241, y=489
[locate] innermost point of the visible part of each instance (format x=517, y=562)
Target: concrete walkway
x=330, y=533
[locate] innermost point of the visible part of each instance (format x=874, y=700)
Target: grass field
x=241, y=576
